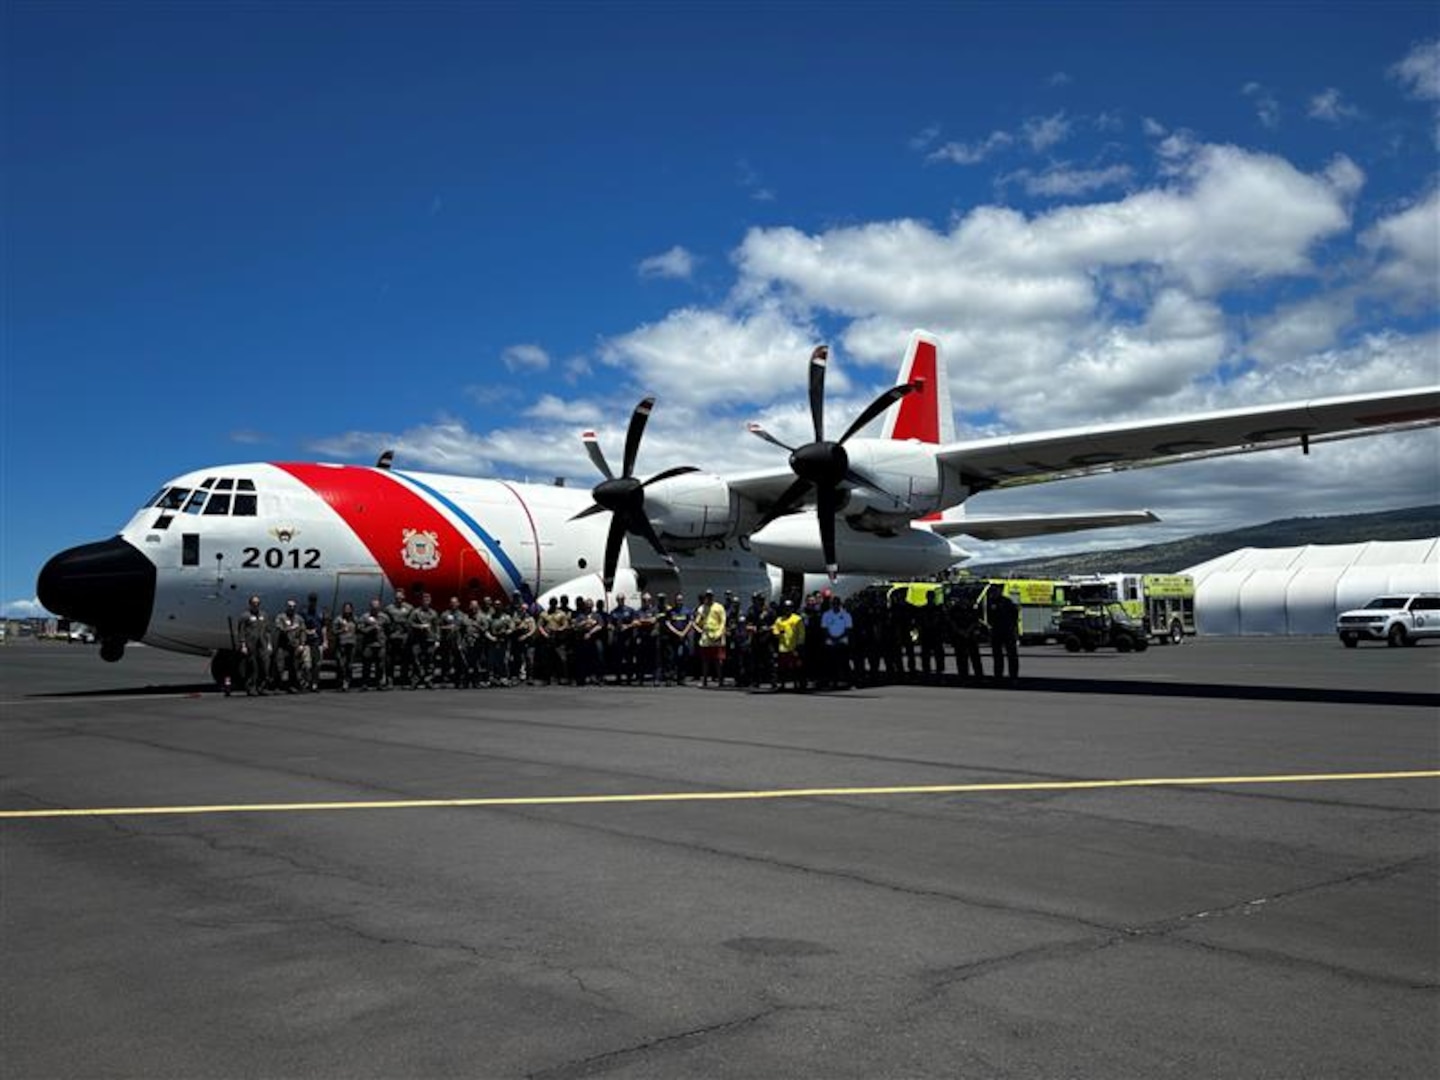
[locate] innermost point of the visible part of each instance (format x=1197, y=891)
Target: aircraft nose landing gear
x=112, y=648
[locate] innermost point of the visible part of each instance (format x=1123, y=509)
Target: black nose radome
x=108, y=585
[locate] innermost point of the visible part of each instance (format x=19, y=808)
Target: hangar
x=1300, y=590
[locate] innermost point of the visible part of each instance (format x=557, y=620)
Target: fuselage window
x=196, y=501
x=219, y=504
x=189, y=549
x=174, y=498
x=244, y=505
x=245, y=485
x=163, y=521
x=225, y=484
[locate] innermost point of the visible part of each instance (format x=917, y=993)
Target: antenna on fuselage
x=384, y=460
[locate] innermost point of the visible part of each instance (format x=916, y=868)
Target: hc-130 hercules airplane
x=180, y=572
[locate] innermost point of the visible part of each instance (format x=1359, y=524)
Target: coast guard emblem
x=421, y=550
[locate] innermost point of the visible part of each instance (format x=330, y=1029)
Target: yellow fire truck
x=1165, y=603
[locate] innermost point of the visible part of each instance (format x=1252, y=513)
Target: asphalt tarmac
x=906, y=881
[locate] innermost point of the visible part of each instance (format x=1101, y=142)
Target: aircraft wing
x=1016, y=526
x=1010, y=461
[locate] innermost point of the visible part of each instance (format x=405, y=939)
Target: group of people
x=818, y=641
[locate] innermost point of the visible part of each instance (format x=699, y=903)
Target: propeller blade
x=613, y=540
x=817, y=390
x=878, y=406
x=589, y=511
x=643, y=528
x=668, y=474
x=756, y=429
x=638, y=419
x=783, y=505
x=592, y=447
x=825, y=503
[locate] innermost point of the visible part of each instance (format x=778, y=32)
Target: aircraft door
x=359, y=587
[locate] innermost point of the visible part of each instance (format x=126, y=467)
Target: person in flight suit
x=502, y=629
x=452, y=631
x=524, y=642
x=674, y=632
x=372, y=626
x=965, y=632
x=554, y=641
x=289, y=647
x=343, y=633
x=422, y=643
x=397, y=641
x=253, y=631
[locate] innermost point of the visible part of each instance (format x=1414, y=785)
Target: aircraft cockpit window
x=245, y=485
x=173, y=499
x=209, y=481
x=163, y=521
x=225, y=484
x=219, y=504
x=245, y=505
x=196, y=502
x=154, y=500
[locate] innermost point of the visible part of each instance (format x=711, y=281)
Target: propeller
x=624, y=495
x=824, y=465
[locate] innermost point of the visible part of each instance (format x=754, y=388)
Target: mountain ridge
x=1411, y=523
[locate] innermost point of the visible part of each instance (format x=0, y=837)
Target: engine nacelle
x=691, y=508
x=793, y=542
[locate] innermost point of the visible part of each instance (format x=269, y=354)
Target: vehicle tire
x=1141, y=644
x=1072, y=643
x=1177, y=633
x=1396, y=636
x=112, y=649
x=1088, y=645
x=1124, y=643
x=1350, y=641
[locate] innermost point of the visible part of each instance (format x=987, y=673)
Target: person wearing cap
x=761, y=615
x=620, y=657
x=836, y=625
x=674, y=632
x=643, y=658
x=789, y=633
x=709, y=625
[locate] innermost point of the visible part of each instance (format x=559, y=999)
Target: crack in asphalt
x=599, y=1063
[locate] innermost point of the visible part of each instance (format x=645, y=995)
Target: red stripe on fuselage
x=380, y=509
x=919, y=412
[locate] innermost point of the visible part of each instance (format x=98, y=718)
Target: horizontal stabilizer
x=1015, y=527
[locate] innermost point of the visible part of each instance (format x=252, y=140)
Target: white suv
x=1398, y=619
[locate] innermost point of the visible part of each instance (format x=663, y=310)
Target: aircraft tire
x=224, y=663
x=1177, y=633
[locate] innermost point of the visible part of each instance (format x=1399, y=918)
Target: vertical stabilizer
x=926, y=414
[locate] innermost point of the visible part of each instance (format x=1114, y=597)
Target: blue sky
x=252, y=231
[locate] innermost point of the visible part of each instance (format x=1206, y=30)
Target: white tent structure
x=1300, y=590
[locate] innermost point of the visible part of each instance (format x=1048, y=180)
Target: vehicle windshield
x=1386, y=602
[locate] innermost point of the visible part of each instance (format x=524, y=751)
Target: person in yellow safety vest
x=789, y=631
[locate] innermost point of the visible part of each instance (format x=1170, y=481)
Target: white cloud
x=959, y=153
x=1419, y=71
x=675, y=263
x=1152, y=128
x=1059, y=79
x=525, y=358
x=1407, y=247
x=1328, y=106
x=1063, y=181
x=1041, y=133
x=924, y=138
x=1267, y=108
x=551, y=407
x=23, y=609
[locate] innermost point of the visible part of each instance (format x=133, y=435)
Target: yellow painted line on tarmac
x=718, y=796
